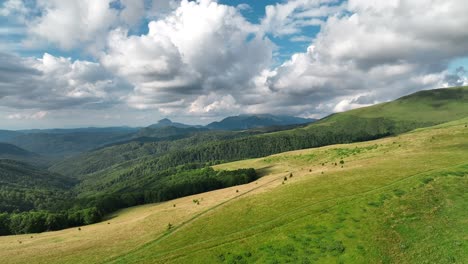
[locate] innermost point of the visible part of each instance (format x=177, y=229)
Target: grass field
x=394, y=200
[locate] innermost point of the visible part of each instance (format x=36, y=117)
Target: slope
x=395, y=200
x=12, y=152
x=430, y=106
x=142, y=161
x=24, y=187
x=243, y=122
x=67, y=143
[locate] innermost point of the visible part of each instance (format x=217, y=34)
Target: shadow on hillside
x=265, y=170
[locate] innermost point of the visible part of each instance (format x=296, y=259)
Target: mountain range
x=245, y=122
x=56, y=143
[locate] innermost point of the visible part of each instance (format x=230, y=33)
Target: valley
x=351, y=187
x=304, y=208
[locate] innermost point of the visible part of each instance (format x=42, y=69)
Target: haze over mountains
x=242, y=122
x=68, y=142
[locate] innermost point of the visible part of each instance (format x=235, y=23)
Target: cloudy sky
x=132, y=62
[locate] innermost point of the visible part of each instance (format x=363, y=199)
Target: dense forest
x=47, y=205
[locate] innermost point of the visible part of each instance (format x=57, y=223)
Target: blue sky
x=132, y=62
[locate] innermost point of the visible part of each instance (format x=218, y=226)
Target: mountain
x=427, y=107
x=59, y=143
x=168, y=123
x=6, y=135
x=398, y=199
x=12, y=152
x=135, y=173
x=68, y=143
x=244, y=122
x=117, y=167
x=170, y=131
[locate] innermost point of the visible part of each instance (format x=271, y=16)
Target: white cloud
x=57, y=83
x=292, y=16
x=202, y=58
x=162, y=7
x=78, y=24
x=213, y=104
x=388, y=48
x=133, y=11
x=302, y=38
x=13, y=7
x=34, y=116
x=200, y=48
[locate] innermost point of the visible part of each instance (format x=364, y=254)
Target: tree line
x=84, y=211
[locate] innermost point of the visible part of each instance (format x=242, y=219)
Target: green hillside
x=401, y=199
x=243, y=122
x=108, y=168
x=150, y=170
x=24, y=187
x=431, y=107
x=137, y=150
x=12, y=152
x=59, y=144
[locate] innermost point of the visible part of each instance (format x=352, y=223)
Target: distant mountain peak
x=165, y=121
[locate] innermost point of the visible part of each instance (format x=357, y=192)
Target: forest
x=34, y=214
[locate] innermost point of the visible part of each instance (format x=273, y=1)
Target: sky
x=102, y=63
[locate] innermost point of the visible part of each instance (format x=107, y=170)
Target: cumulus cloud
x=384, y=48
x=292, y=16
x=77, y=24
x=202, y=58
x=162, y=7
x=214, y=105
x=13, y=7
x=56, y=83
x=35, y=116
x=200, y=48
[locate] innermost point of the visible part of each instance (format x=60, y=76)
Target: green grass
x=431, y=106
x=386, y=211
x=395, y=200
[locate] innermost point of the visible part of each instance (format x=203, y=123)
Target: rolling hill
x=165, y=122
x=66, y=144
x=245, y=122
x=6, y=135
x=401, y=199
x=12, y=152
x=168, y=132
x=422, y=109
x=24, y=187
x=430, y=106
x=9, y=150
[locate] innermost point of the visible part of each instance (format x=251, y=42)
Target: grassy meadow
x=399, y=199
